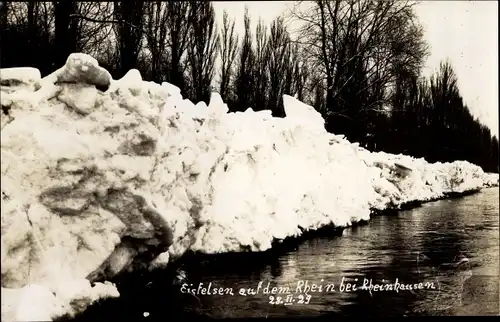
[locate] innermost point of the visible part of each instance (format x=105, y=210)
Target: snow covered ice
x=100, y=176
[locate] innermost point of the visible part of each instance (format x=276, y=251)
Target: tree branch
x=117, y=21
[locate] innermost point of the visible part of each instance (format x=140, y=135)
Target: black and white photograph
x=194, y=160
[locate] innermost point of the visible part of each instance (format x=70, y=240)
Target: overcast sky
x=464, y=31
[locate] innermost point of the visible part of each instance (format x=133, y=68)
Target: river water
x=449, y=246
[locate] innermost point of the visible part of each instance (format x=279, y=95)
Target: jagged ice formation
x=100, y=176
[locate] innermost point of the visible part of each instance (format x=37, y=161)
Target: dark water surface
x=452, y=245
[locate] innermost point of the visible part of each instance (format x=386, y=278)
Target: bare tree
x=156, y=32
x=260, y=68
x=228, y=49
x=28, y=29
x=129, y=38
x=337, y=32
x=279, y=50
x=443, y=88
x=91, y=26
x=178, y=17
x=318, y=101
x=359, y=46
x=202, y=50
x=66, y=32
x=290, y=70
x=297, y=73
x=301, y=76
x=243, y=82
x=74, y=28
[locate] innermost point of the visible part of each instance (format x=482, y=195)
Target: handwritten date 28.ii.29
x=290, y=299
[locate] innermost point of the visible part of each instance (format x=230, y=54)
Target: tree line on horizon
x=358, y=62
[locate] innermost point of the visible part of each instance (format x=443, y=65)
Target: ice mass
x=102, y=176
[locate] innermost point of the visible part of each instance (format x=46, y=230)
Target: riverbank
x=279, y=247
x=101, y=177
x=159, y=292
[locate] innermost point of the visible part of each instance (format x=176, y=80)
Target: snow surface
x=100, y=176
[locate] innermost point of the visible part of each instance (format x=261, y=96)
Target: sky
x=466, y=32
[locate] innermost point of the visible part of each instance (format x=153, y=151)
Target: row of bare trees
x=433, y=121
x=177, y=42
x=358, y=62
x=365, y=60
x=167, y=41
x=268, y=66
